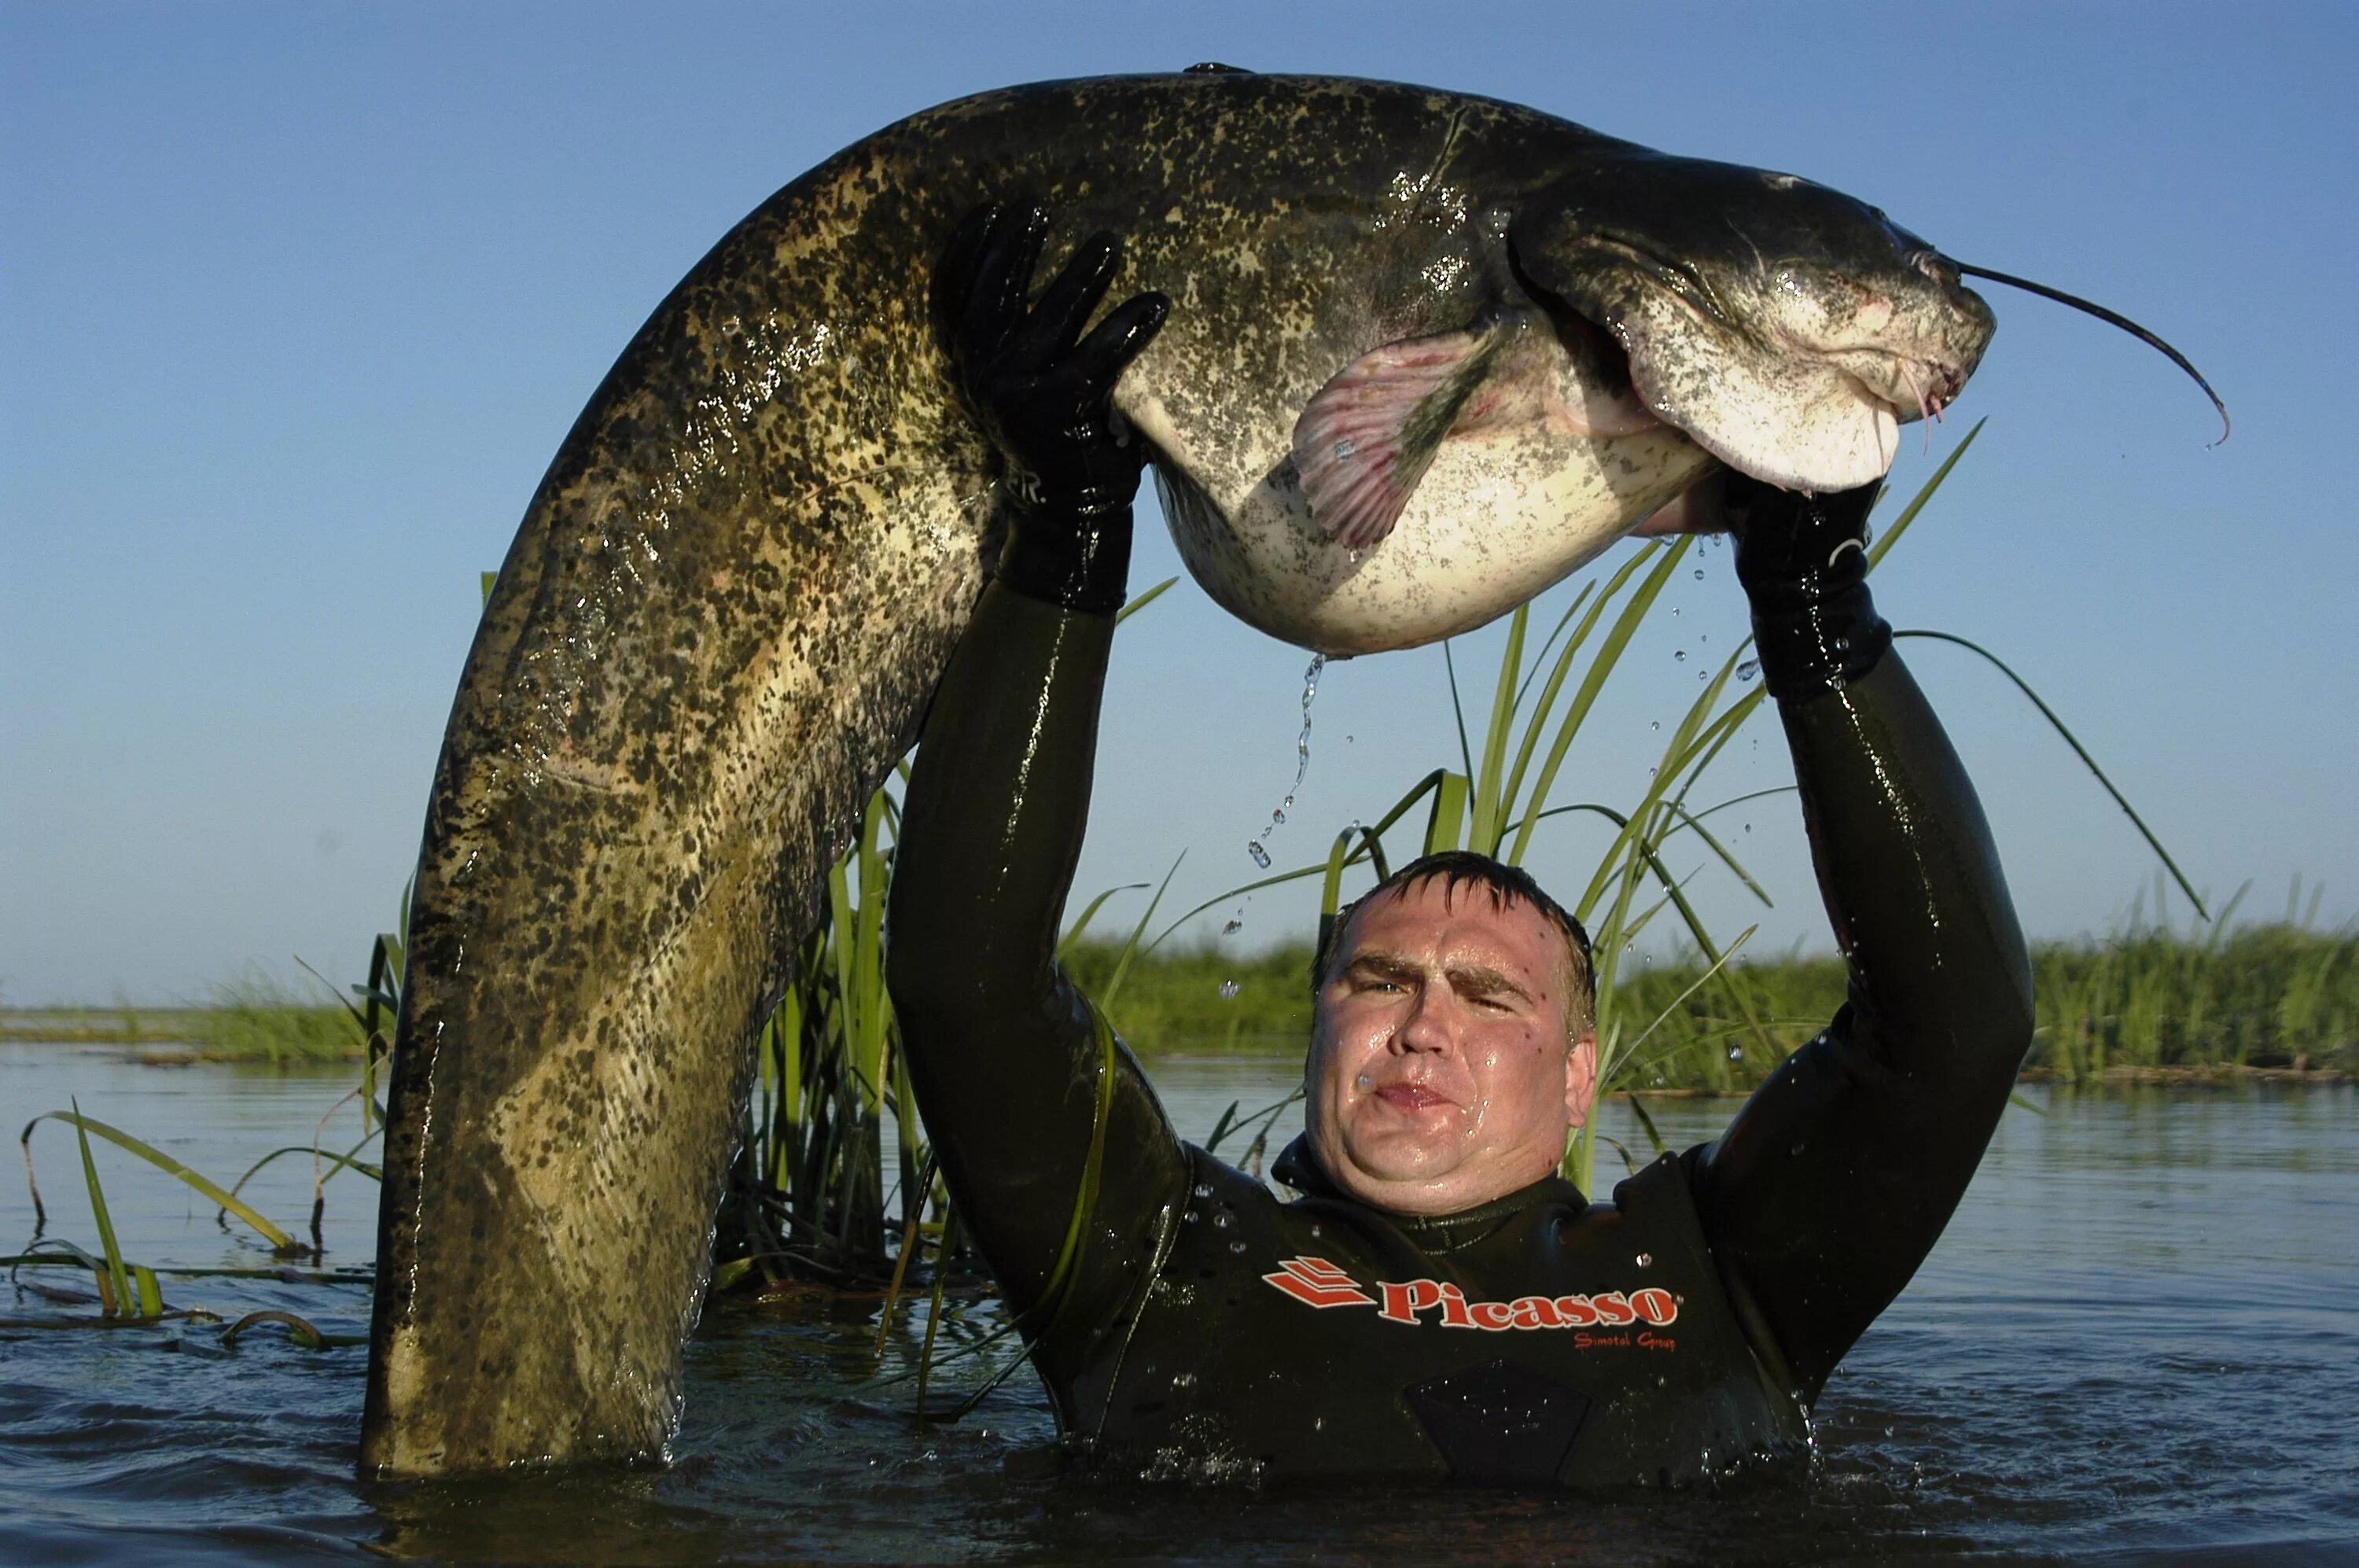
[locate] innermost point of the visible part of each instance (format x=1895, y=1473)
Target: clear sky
x=297, y=301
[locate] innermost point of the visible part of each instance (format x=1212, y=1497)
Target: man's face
x=1440, y=1076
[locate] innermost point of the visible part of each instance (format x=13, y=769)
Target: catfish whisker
x=2113, y=318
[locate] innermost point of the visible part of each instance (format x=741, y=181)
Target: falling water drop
x=1749, y=670
x=1301, y=763
x=1229, y=990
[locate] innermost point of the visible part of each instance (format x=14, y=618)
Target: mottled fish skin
x=721, y=619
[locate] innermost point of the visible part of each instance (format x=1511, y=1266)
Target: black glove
x=1072, y=466
x=1803, y=562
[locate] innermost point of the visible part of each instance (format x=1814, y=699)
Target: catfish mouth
x=1903, y=386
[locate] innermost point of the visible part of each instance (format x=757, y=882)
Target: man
x=1439, y=1304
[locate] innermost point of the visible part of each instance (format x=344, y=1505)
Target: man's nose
x=1429, y=1029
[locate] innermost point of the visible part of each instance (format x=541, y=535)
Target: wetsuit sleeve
x=1010, y=1067
x=1837, y=1177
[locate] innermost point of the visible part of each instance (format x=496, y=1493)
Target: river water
x=2138, y=1341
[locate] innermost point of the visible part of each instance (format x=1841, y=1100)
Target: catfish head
x=1789, y=329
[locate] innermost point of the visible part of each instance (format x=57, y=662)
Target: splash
x=1257, y=846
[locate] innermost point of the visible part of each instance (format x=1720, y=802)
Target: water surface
x=2138, y=1341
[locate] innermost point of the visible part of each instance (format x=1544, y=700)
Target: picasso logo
x=1315, y=1282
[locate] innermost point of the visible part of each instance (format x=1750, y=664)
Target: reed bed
x=2278, y=994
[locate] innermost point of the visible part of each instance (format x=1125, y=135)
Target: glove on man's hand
x=1803, y=562
x=1043, y=393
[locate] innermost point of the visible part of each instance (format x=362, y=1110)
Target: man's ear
x=1581, y=1078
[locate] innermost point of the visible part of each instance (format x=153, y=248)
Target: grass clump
x=252, y=1017
x=2146, y=998
x=1202, y=999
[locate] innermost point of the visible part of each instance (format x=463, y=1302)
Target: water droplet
x=1682, y=655
x=1204, y=1189
x=1654, y=724
x=1220, y=1220
x=1184, y=1380
x=1301, y=763
x=1189, y=1217
x=1229, y=990
x=1736, y=1053
x=1699, y=574
x=1645, y=1261
x=1749, y=670
x=1362, y=1081
x=1232, y=928
x=1319, y=1423
x=1236, y=1246
x=1748, y=827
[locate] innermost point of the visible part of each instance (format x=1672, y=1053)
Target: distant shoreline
x=151, y=1042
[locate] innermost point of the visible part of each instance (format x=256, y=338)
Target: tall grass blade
x=278, y=1239
x=2080, y=751
x=1081, y=926
x=1143, y=600
x=1485, y=832
x=1130, y=948
x=1891, y=536
x=1609, y=655
x=117, y=1278
x=1457, y=708
x=1538, y=723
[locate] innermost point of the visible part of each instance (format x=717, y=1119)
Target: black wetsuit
x=1186, y=1320
x=1209, y=1328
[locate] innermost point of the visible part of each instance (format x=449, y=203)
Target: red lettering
x=1493, y=1315
x=1536, y=1312
x=1656, y=1306
x=1574, y=1312
x=1453, y=1308
x=1612, y=1307
x=1403, y=1302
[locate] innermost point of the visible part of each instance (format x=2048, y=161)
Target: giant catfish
x=1427, y=353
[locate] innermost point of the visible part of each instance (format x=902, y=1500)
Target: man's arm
x=1837, y=1177
x=1036, y=1116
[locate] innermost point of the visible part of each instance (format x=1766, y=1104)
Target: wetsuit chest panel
x=1539, y=1339
x=1500, y=1424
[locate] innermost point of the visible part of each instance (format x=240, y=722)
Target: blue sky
x=297, y=301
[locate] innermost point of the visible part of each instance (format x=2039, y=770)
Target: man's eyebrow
x=1482, y=980
x=1390, y=966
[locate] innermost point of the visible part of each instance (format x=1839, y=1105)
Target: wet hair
x=1456, y=868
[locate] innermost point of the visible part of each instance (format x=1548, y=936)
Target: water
x=2139, y=1341
x=1256, y=846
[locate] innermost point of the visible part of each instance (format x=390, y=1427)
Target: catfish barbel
x=1427, y=354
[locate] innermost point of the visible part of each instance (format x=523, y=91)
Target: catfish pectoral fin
x=1367, y=438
